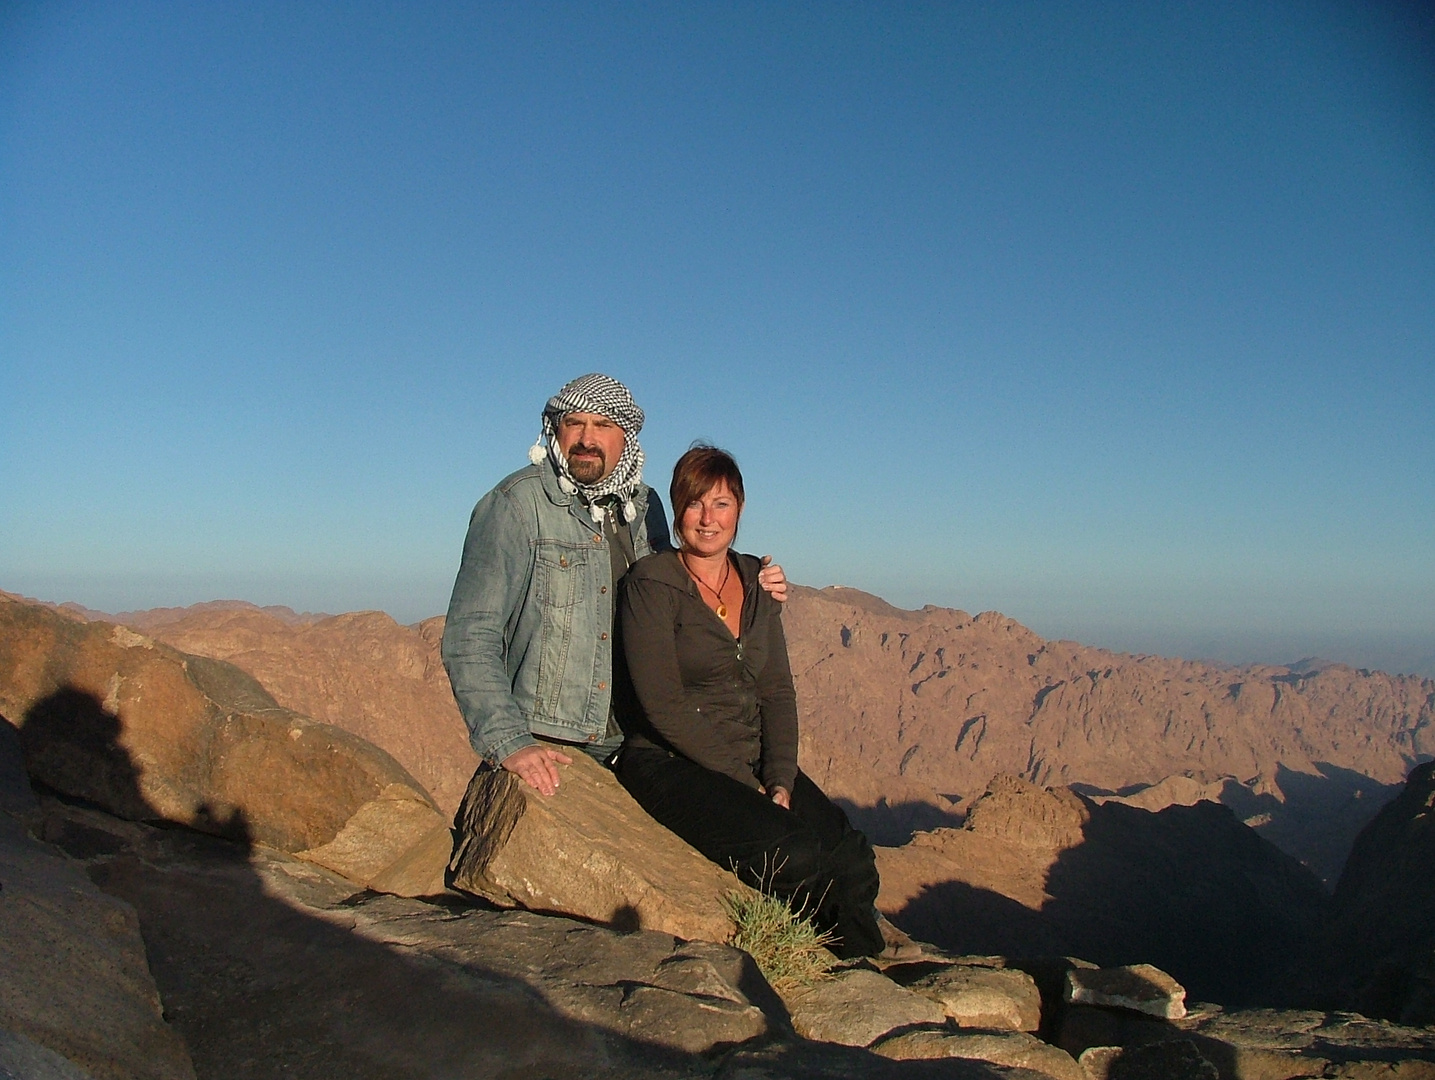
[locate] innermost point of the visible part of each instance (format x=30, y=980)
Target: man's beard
x=586, y=470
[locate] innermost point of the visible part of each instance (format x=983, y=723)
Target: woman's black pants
x=810, y=855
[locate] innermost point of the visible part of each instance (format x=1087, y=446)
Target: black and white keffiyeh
x=608, y=397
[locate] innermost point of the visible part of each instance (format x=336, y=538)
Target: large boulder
x=589, y=851
x=149, y=733
x=1138, y=987
x=361, y=671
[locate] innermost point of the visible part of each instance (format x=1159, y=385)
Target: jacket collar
x=558, y=497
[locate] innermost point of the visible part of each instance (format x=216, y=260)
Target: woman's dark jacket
x=727, y=705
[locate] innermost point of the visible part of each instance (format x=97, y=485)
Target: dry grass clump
x=790, y=951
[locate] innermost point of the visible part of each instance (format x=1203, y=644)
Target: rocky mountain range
x=906, y=715
x=924, y=707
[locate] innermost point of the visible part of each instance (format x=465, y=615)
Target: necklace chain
x=717, y=593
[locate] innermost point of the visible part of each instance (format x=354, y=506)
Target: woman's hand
x=781, y=796
x=773, y=580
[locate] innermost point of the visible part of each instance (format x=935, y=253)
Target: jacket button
x=592, y=738
x=563, y=560
x=602, y=588
x=603, y=636
x=602, y=686
x=597, y=539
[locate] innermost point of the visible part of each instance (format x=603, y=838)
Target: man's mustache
x=579, y=448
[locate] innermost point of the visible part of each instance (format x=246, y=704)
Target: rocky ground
x=268, y=966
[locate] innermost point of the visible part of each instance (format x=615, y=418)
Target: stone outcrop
x=1012, y=1049
x=267, y=963
x=1139, y=987
x=1383, y=923
x=109, y=715
x=856, y=1007
x=588, y=851
x=271, y=966
x=76, y=995
x=1048, y=872
x=976, y=995
x=360, y=671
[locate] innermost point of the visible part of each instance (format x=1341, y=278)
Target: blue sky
x=1116, y=317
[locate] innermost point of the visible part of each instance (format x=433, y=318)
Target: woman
x=712, y=752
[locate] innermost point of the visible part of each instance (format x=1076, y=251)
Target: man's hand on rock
x=536, y=766
x=773, y=580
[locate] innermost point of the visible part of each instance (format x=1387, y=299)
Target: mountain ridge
x=908, y=714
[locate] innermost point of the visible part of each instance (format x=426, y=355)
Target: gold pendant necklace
x=717, y=593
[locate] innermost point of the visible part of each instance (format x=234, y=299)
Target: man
x=528, y=642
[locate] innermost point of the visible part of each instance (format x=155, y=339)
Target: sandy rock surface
x=856, y=1007
x=1014, y=1049
x=980, y=997
x=24, y=1059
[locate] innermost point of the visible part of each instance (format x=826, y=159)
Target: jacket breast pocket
x=560, y=573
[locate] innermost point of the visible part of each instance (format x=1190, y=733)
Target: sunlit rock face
x=129, y=724
x=913, y=712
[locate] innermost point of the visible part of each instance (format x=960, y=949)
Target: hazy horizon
x=1219, y=645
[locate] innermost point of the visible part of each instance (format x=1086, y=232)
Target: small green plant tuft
x=789, y=950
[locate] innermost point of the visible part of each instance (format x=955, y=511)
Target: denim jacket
x=528, y=639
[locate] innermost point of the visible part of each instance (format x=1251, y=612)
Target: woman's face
x=708, y=524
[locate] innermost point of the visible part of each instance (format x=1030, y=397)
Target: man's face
x=592, y=443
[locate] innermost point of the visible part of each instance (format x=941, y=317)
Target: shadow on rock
x=1189, y=889
x=1316, y=817
x=256, y=956
x=272, y=966
x=893, y=824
